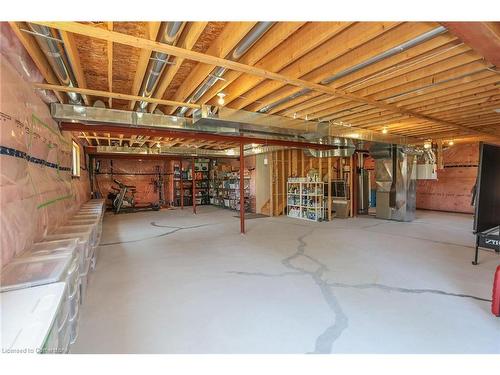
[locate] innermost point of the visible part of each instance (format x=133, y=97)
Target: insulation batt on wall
x=37, y=191
x=452, y=191
x=138, y=173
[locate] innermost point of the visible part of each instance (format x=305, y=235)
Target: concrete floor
x=174, y=282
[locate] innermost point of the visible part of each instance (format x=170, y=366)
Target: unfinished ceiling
x=407, y=78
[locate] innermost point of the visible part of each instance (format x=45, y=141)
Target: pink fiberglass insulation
x=140, y=173
x=12, y=50
x=37, y=191
x=452, y=190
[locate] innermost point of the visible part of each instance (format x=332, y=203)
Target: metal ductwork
x=384, y=55
x=342, y=147
x=49, y=41
x=158, y=62
x=227, y=121
x=248, y=41
x=395, y=175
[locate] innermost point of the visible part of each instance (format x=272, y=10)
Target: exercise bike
x=124, y=199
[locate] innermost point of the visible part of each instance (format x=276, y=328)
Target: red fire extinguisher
x=495, y=305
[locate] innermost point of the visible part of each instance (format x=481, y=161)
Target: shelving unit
x=305, y=199
x=225, y=190
x=201, y=179
x=187, y=185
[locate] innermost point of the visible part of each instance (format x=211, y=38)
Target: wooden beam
x=143, y=62
x=483, y=37
x=229, y=64
x=300, y=44
x=266, y=44
x=110, y=65
x=114, y=95
x=230, y=36
x=337, y=45
x=188, y=40
x=74, y=60
x=37, y=56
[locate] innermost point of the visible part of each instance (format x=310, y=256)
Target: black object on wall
x=487, y=210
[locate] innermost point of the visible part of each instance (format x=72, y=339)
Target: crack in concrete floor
x=324, y=342
x=175, y=229
x=404, y=290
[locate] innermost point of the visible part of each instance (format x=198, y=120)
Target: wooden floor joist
x=142, y=43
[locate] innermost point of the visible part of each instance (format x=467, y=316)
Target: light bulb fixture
x=158, y=145
x=221, y=100
x=427, y=145
x=384, y=130
x=451, y=143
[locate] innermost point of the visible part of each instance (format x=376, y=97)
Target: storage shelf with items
x=183, y=180
x=224, y=189
x=305, y=199
x=201, y=176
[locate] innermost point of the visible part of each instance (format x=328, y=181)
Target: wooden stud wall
x=295, y=163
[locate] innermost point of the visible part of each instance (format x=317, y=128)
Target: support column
x=193, y=180
x=242, y=189
x=181, y=185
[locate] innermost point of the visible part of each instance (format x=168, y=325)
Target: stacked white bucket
x=67, y=255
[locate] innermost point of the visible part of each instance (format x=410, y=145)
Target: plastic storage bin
x=73, y=327
x=92, y=221
x=65, y=229
x=29, y=318
x=27, y=272
x=83, y=241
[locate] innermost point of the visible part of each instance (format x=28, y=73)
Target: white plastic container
x=29, y=272
x=83, y=238
x=64, y=335
x=65, y=229
x=92, y=221
x=28, y=317
x=73, y=327
x=85, y=216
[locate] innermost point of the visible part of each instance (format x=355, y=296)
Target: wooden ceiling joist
x=483, y=37
x=37, y=56
x=112, y=95
x=226, y=41
x=188, y=40
x=140, y=70
x=217, y=61
x=72, y=53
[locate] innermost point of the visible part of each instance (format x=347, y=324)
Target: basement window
x=75, y=154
